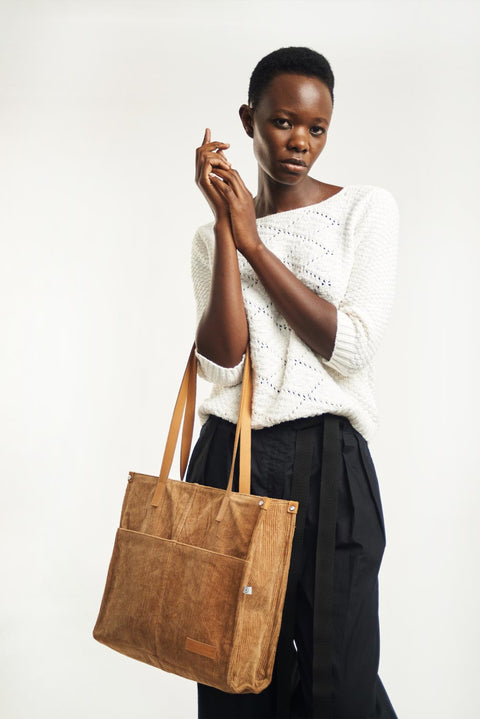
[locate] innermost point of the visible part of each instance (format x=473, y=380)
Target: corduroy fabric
x=195, y=596
x=360, y=543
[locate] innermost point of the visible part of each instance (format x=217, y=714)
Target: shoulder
x=372, y=215
x=371, y=198
x=376, y=224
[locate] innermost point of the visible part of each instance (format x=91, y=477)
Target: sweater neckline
x=285, y=213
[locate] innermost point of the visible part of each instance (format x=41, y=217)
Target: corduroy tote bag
x=197, y=579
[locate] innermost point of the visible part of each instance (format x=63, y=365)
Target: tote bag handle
x=185, y=408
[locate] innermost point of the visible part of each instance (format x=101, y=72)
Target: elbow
x=220, y=353
x=223, y=348
x=219, y=374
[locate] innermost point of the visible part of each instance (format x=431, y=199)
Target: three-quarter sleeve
x=201, y=268
x=363, y=311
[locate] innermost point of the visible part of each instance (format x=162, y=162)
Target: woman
x=305, y=272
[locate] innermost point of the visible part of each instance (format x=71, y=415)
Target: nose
x=298, y=140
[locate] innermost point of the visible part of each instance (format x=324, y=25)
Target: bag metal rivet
x=261, y=503
x=292, y=508
x=247, y=590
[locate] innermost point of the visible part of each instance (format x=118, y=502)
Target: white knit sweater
x=345, y=250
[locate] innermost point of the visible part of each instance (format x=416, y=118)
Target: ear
x=246, y=116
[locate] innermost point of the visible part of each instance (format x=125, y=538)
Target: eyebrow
x=292, y=114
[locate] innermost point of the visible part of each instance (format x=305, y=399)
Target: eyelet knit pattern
x=345, y=250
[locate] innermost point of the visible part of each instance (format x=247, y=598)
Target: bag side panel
x=260, y=613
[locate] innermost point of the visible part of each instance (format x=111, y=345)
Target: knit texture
x=345, y=250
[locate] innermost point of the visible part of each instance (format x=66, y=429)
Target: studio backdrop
x=102, y=104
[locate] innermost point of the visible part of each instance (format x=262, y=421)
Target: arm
x=222, y=331
x=311, y=317
x=366, y=304
x=348, y=337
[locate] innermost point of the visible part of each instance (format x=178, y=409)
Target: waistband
x=298, y=424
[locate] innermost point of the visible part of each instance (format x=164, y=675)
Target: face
x=289, y=126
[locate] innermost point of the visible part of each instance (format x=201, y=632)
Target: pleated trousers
x=356, y=690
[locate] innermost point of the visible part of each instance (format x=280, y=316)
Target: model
x=305, y=272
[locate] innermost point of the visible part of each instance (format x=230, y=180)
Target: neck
x=273, y=197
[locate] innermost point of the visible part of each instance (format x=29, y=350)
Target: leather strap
x=243, y=432
x=185, y=409
x=243, y=435
x=189, y=418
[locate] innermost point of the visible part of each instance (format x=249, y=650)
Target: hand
x=210, y=158
x=229, y=184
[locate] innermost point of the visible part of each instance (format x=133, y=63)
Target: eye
x=317, y=130
x=282, y=123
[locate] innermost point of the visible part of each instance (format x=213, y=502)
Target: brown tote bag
x=197, y=579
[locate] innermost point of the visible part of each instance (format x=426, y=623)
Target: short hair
x=293, y=60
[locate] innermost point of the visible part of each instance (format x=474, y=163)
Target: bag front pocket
x=196, y=628
x=170, y=604
x=133, y=595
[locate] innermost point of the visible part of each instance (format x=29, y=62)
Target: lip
x=293, y=165
x=294, y=161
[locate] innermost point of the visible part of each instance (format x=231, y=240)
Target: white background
x=101, y=107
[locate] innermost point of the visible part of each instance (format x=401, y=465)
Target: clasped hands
x=227, y=194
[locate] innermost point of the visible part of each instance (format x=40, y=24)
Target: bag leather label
x=205, y=650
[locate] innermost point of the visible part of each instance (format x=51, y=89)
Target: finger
x=229, y=177
x=218, y=188
x=219, y=184
x=207, y=173
x=211, y=147
x=220, y=154
x=236, y=178
x=208, y=161
x=215, y=146
x=217, y=160
x=211, y=191
x=224, y=173
x=207, y=143
x=238, y=184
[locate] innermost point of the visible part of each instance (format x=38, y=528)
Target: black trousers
x=359, y=543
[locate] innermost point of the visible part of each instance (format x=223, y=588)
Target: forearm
x=311, y=317
x=222, y=333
